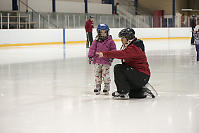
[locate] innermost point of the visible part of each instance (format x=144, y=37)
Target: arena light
x=186, y=9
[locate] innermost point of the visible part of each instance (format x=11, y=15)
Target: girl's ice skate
x=97, y=89
x=106, y=89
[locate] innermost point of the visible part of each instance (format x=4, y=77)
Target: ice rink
x=48, y=89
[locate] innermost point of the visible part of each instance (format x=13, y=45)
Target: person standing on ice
x=196, y=40
x=193, y=25
x=133, y=74
x=103, y=42
x=89, y=31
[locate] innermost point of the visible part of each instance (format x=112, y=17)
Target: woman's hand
x=100, y=54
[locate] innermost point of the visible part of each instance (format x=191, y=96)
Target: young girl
x=196, y=38
x=103, y=42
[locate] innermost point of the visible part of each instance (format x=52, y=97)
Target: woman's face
x=124, y=41
x=92, y=19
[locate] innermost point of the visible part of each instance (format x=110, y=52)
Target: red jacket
x=89, y=26
x=133, y=57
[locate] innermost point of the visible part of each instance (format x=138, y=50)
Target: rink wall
x=26, y=37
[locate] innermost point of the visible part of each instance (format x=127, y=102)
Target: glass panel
x=75, y=20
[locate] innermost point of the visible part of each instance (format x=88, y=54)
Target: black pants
x=89, y=39
x=197, y=50
x=129, y=80
x=192, y=37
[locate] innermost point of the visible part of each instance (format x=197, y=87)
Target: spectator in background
x=183, y=20
x=115, y=8
x=89, y=29
x=193, y=25
x=196, y=40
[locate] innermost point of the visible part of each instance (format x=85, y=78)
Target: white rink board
x=16, y=36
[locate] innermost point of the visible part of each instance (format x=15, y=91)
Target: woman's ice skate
x=118, y=96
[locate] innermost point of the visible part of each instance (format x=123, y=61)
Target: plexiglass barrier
x=21, y=20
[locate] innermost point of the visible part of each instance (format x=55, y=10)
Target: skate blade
x=121, y=98
x=106, y=93
x=97, y=93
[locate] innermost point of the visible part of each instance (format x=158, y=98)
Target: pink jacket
x=106, y=45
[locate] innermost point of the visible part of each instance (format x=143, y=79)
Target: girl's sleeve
x=92, y=49
x=113, y=47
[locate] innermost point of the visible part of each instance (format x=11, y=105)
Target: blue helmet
x=102, y=27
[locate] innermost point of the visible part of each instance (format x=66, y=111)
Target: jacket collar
x=130, y=42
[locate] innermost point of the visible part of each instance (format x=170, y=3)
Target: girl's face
x=103, y=33
x=124, y=41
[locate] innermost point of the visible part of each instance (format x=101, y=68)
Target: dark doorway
x=14, y=5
